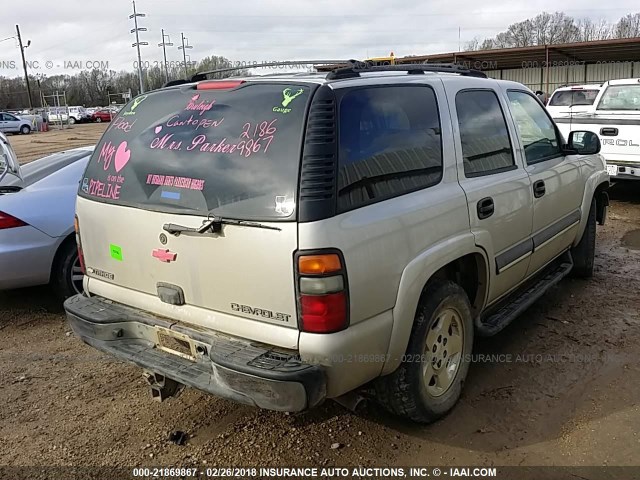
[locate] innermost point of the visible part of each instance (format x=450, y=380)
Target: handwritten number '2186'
x=263, y=131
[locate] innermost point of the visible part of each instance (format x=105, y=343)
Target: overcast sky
x=66, y=34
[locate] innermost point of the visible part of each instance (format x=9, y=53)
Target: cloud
x=70, y=33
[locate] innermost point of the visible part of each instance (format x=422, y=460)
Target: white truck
x=615, y=118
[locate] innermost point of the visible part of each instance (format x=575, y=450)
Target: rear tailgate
x=180, y=157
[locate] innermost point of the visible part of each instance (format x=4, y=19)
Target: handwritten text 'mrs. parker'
x=200, y=143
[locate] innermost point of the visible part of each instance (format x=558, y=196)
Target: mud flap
x=602, y=203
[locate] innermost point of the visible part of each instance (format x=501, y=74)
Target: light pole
x=24, y=64
x=164, y=46
x=184, y=53
x=138, y=42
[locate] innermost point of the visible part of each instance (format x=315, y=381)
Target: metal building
x=546, y=67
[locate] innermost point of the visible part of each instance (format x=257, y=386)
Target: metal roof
x=626, y=49
x=601, y=51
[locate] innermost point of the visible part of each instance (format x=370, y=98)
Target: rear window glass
x=620, y=97
x=568, y=98
x=233, y=153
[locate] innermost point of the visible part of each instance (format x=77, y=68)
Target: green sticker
x=288, y=95
x=116, y=252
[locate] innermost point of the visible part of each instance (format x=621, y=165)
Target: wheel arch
x=68, y=239
x=459, y=260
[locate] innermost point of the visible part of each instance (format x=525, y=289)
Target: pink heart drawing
x=195, y=97
x=158, y=129
x=122, y=157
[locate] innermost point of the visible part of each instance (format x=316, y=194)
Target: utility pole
x=138, y=42
x=164, y=46
x=24, y=65
x=184, y=53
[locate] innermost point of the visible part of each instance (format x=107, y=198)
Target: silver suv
x=281, y=240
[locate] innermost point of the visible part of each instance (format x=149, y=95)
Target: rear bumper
x=228, y=367
x=625, y=170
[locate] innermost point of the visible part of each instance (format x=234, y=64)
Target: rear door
x=557, y=185
x=496, y=185
x=182, y=157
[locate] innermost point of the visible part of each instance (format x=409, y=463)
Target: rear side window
x=232, y=152
x=570, y=98
x=484, y=137
x=620, y=97
x=390, y=143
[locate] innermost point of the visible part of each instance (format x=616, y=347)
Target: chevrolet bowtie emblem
x=164, y=255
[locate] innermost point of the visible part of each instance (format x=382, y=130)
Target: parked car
x=69, y=115
x=103, y=115
x=37, y=205
x=282, y=240
x=10, y=123
x=615, y=118
x=567, y=101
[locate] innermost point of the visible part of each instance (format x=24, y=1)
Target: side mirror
x=582, y=142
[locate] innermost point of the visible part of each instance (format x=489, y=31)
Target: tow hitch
x=161, y=386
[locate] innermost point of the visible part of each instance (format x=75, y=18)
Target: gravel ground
x=565, y=392
x=38, y=144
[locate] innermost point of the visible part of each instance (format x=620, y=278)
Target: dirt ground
x=565, y=391
x=38, y=144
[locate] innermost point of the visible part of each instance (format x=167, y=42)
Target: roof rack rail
x=199, y=76
x=356, y=68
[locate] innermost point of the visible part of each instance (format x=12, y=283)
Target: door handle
x=539, y=189
x=485, y=208
x=609, y=132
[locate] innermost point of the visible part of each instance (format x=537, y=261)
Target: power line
x=184, y=48
x=137, y=44
x=164, y=46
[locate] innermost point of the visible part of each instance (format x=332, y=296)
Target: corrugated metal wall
x=535, y=79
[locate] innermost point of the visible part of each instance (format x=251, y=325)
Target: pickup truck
x=615, y=118
x=339, y=234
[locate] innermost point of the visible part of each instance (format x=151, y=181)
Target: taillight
x=322, y=292
x=76, y=225
x=219, y=84
x=8, y=221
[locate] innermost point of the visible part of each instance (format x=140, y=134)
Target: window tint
x=233, y=153
x=568, y=98
x=390, y=144
x=621, y=97
x=483, y=133
x=536, y=129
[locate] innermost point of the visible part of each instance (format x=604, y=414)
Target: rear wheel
x=98, y=120
x=428, y=382
x=25, y=129
x=584, y=253
x=66, y=276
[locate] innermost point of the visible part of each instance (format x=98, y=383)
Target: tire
x=25, y=129
x=66, y=270
x=72, y=121
x=98, y=120
x=583, y=253
x=411, y=391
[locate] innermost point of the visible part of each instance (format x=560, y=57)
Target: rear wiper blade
x=214, y=225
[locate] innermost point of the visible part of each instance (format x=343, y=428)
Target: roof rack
x=199, y=76
x=356, y=68
x=345, y=69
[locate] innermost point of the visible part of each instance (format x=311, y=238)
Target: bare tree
x=554, y=28
x=628, y=27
